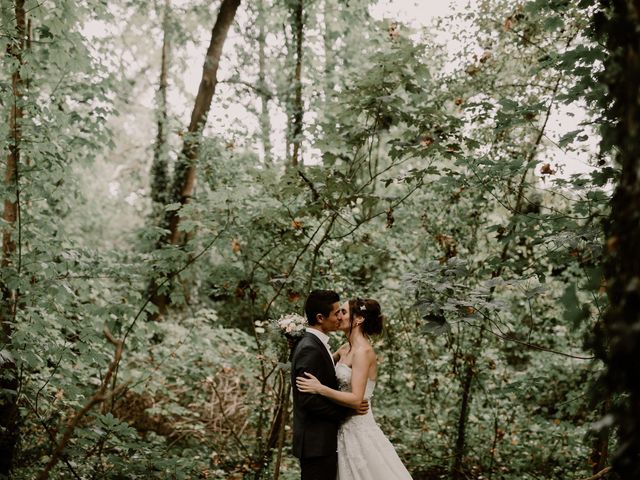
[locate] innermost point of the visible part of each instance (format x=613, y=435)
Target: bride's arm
x=359, y=374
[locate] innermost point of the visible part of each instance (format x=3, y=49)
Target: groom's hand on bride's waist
x=363, y=408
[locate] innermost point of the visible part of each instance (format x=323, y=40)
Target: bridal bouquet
x=292, y=325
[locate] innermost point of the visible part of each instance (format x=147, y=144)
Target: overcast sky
x=416, y=12
x=419, y=13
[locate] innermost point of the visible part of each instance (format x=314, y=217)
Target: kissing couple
x=335, y=435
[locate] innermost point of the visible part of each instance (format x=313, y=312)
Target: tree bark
x=185, y=170
x=465, y=404
x=9, y=383
x=328, y=40
x=281, y=433
x=159, y=167
x=275, y=439
x=298, y=109
x=619, y=24
x=265, y=121
x=185, y=173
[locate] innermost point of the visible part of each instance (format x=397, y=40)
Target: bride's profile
x=364, y=452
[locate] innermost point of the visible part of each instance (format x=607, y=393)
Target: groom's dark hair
x=319, y=301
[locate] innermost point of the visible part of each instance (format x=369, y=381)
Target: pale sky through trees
x=420, y=13
x=228, y=112
x=416, y=14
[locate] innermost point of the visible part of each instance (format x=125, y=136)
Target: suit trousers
x=319, y=468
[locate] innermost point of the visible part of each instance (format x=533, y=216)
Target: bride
x=364, y=453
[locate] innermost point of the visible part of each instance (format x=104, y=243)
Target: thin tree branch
x=526, y=344
x=100, y=396
x=600, y=474
x=226, y=419
x=260, y=90
x=51, y=436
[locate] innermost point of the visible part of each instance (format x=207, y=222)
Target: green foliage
x=435, y=190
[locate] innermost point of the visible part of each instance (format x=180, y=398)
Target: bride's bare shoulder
x=366, y=351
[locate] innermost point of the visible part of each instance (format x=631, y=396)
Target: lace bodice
x=343, y=374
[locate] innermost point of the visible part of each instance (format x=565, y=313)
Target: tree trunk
x=275, y=439
x=281, y=433
x=265, y=121
x=465, y=404
x=185, y=171
x=328, y=40
x=159, y=167
x=620, y=25
x=297, y=113
x=9, y=413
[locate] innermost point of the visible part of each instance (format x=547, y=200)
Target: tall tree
x=159, y=167
x=619, y=22
x=9, y=413
x=185, y=171
x=329, y=36
x=297, y=108
x=265, y=121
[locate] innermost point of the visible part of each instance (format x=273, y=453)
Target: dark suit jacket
x=315, y=418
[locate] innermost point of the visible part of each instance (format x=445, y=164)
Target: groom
x=315, y=418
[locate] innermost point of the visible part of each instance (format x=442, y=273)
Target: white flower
x=291, y=324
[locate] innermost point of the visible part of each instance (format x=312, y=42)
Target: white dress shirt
x=324, y=338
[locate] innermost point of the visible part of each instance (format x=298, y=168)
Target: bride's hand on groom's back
x=309, y=383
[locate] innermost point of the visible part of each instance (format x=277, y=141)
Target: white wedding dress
x=364, y=453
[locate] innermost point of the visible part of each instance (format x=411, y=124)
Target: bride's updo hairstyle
x=369, y=309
